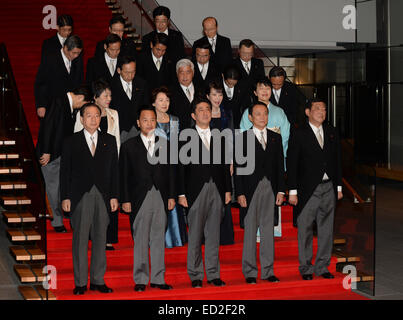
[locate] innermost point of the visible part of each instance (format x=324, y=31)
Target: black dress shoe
x=79, y=290
x=272, y=279
x=140, y=287
x=60, y=229
x=101, y=288
x=251, y=280
x=327, y=275
x=197, y=284
x=161, y=286
x=111, y=248
x=217, y=282
x=307, y=277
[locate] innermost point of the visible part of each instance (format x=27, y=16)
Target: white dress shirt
x=61, y=39
x=205, y=134
x=211, y=42
x=147, y=140
x=166, y=31
x=229, y=91
x=67, y=62
x=191, y=90
x=155, y=59
x=89, y=140
x=70, y=102
x=125, y=84
x=277, y=94
x=258, y=134
x=244, y=64
x=109, y=62
x=204, y=68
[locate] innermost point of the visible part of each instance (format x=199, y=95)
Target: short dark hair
x=203, y=44
x=87, y=105
x=65, y=20
x=125, y=60
x=73, y=42
x=247, y=43
x=146, y=108
x=162, y=11
x=83, y=90
x=99, y=86
x=231, y=72
x=197, y=100
x=214, y=84
x=253, y=105
x=161, y=38
x=117, y=19
x=314, y=100
x=156, y=91
x=112, y=38
x=277, y=71
x=264, y=81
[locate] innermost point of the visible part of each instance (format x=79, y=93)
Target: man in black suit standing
x=89, y=186
x=259, y=192
x=147, y=191
x=58, y=73
x=57, y=125
x=284, y=94
x=205, y=70
x=129, y=93
x=104, y=67
x=153, y=64
x=314, y=181
x=176, y=46
x=220, y=46
x=183, y=92
x=204, y=188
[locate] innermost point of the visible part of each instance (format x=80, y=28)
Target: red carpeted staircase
x=119, y=273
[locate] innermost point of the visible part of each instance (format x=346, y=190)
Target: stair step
x=27, y=273
x=344, y=257
x=19, y=217
x=7, y=142
x=13, y=185
x=27, y=253
x=36, y=293
x=10, y=170
x=7, y=156
x=120, y=11
x=15, y=200
x=23, y=235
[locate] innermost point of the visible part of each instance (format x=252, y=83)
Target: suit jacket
x=180, y=105
x=79, y=170
x=176, y=46
x=307, y=161
x=155, y=78
x=56, y=126
x=126, y=108
x=53, y=80
x=256, y=70
x=223, y=51
x=212, y=74
x=98, y=69
x=128, y=48
x=138, y=176
x=193, y=176
x=268, y=163
x=238, y=101
x=288, y=101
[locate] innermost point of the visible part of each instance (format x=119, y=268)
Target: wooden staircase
x=23, y=229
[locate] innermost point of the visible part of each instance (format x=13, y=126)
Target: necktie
x=158, y=64
x=229, y=93
x=247, y=68
x=149, y=147
x=202, y=72
x=213, y=45
x=188, y=95
x=128, y=91
x=262, y=140
x=112, y=67
x=68, y=65
x=319, y=137
x=276, y=96
x=92, y=146
x=205, y=140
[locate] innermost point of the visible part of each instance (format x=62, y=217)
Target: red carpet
x=119, y=273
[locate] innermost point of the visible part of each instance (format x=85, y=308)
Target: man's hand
x=293, y=199
x=183, y=201
x=171, y=204
x=44, y=159
x=242, y=201
x=114, y=204
x=339, y=195
x=279, y=199
x=127, y=207
x=41, y=112
x=228, y=197
x=66, y=205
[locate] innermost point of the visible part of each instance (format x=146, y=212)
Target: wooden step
x=13, y=185
x=30, y=273
x=27, y=253
x=10, y=170
x=117, y=11
x=339, y=241
x=9, y=156
x=19, y=217
x=343, y=257
x=23, y=235
x=7, y=142
x=36, y=293
x=15, y=200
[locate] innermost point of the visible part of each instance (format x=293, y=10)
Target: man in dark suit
x=258, y=193
x=58, y=73
x=220, y=46
x=89, y=187
x=284, y=94
x=147, y=191
x=314, y=181
x=57, y=125
x=183, y=92
x=153, y=64
x=129, y=93
x=176, y=46
x=204, y=188
x=205, y=70
x=117, y=26
x=104, y=67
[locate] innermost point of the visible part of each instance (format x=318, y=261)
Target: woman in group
x=110, y=124
x=167, y=126
x=221, y=119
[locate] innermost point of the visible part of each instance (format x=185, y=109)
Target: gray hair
x=184, y=63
